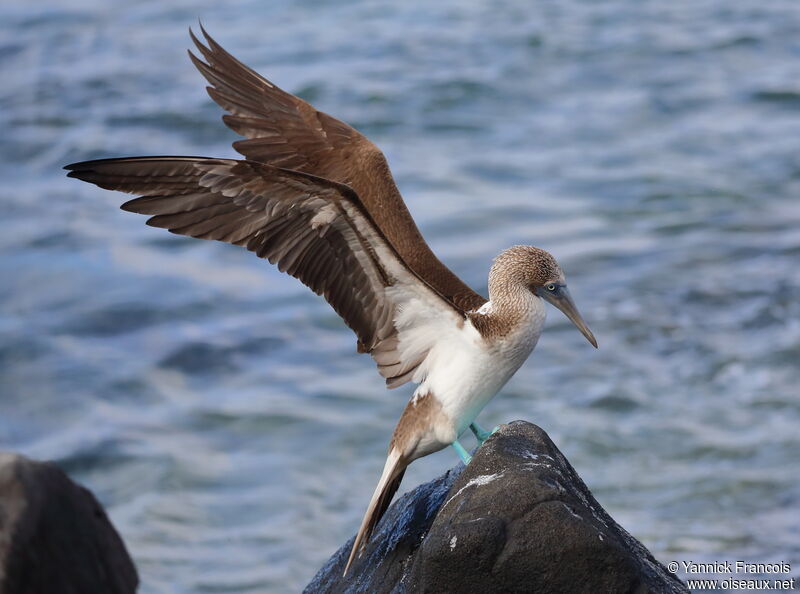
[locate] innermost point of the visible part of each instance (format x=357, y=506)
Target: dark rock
x=518, y=519
x=54, y=535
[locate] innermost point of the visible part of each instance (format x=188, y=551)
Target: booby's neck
x=511, y=308
x=508, y=295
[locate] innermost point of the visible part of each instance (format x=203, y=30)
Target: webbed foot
x=481, y=433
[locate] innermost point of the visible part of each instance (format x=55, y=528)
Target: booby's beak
x=563, y=301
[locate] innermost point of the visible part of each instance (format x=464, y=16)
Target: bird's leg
x=462, y=453
x=481, y=433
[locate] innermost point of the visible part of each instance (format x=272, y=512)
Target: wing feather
x=285, y=131
x=314, y=229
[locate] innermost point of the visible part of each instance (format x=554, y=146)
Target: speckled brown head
x=524, y=267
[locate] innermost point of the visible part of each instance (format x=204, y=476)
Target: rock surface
x=55, y=536
x=517, y=519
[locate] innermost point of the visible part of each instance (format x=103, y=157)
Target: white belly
x=464, y=372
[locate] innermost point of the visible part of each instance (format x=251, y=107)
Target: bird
x=316, y=198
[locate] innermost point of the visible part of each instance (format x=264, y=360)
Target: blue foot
x=481, y=433
x=462, y=453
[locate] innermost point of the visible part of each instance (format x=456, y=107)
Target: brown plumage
x=388, y=484
x=314, y=229
x=285, y=131
x=515, y=271
x=293, y=142
x=421, y=412
x=317, y=199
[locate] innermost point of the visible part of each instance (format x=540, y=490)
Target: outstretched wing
x=285, y=131
x=315, y=229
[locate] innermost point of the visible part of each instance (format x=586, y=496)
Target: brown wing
x=312, y=228
x=285, y=131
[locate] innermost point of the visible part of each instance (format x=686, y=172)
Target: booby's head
x=535, y=270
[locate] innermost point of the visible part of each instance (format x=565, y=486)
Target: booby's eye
x=550, y=286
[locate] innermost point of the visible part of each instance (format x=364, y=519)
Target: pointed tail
x=393, y=472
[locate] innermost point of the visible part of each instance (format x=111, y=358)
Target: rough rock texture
x=518, y=519
x=54, y=535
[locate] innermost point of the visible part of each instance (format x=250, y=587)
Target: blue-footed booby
x=316, y=198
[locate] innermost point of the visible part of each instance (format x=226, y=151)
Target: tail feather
x=383, y=504
x=392, y=475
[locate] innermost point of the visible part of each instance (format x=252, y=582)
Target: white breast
x=464, y=371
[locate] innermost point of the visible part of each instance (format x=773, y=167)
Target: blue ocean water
x=218, y=408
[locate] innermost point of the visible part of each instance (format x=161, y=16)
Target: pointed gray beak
x=563, y=301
